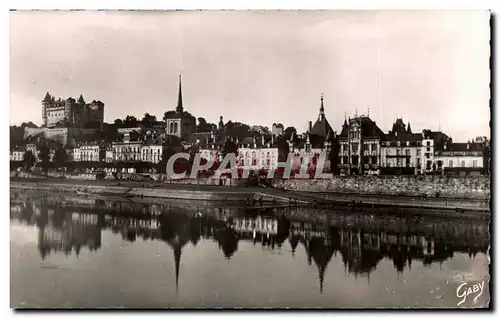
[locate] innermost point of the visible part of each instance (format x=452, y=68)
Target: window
x=398, y=152
x=428, y=144
x=355, y=160
x=398, y=162
x=355, y=148
x=450, y=163
x=374, y=160
x=366, y=160
x=407, y=162
x=407, y=143
x=429, y=165
x=366, y=147
x=418, y=152
x=427, y=155
x=462, y=163
x=407, y=152
x=428, y=149
x=474, y=163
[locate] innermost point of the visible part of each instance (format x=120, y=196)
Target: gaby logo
x=466, y=289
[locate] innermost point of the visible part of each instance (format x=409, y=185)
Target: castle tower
x=46, y=102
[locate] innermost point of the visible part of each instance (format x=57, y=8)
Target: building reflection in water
x=69, y=226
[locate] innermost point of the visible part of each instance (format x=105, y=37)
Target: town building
x=468, y=158
x=257, y=152
x=72, y=113
x=211, y=144
x=320, y=139
x=311, y=146
x=180, y=123
x=90, y=152
x=432, y=141
x=359, y=146
x=152, y=148
x=401, y=150
x=129, y=148
x=17, y=154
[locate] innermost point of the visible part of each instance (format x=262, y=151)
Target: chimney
x=310, y=126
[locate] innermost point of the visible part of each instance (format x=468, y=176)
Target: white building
x=17, y=154
x=401, y=150
x=461, y=158
x=93, y=152
x=257, y=153
x=151, y=152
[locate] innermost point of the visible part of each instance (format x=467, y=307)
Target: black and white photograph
x=252, y=159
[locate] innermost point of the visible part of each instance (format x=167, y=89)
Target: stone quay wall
x=471, y=187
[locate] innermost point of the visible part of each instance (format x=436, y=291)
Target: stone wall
x=472, y=187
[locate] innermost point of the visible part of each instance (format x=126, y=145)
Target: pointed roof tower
x=179, y=108
x=47, y=98
x=409, y=128
x=321, y=126
x=322, y=109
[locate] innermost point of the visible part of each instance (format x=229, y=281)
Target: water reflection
x=68, y=225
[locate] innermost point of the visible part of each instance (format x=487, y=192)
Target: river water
x=74, y=252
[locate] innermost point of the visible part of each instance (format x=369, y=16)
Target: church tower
x=179, y=109
x=180, y=123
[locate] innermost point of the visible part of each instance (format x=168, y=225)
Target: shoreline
x=235, y=195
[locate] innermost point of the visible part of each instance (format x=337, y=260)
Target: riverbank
x=243, y=195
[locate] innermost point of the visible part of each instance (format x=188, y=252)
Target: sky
x=427, y=67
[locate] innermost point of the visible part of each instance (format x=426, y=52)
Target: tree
x=203, y=126
x=60, y=157
x=283, y=149
x=169, y=114
x=118, y=123
x=44, y=156
x=148, y=120
x=229, y=147
x=28, y=159
x=237, y=129
x=130, y=121
x=289, y=131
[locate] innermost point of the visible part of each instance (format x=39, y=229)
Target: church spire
x=409, y=128
x=177, y=257
x=322, y=109
x=180, y=108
